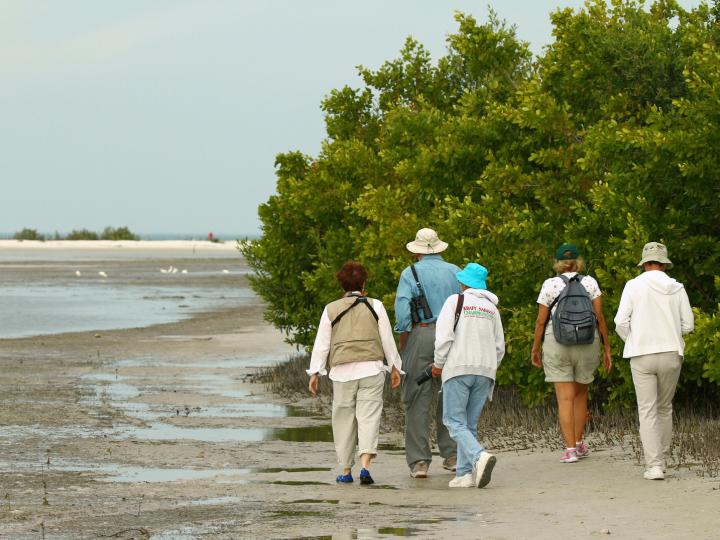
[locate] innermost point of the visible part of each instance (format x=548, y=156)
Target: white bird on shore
x=174, y=270
x=226, y=271
x=102, y=274
x=183, y=271
x=77, y=273
x=163, y=270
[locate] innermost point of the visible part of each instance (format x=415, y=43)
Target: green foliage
x=109, y=233
x=28, y=234
x=120, y=233
x=82, y=234
x=609, y=140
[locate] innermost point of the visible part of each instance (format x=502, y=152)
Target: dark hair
x=352, y=276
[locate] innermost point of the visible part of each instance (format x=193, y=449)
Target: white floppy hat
x=426, y=242
x=656, y=252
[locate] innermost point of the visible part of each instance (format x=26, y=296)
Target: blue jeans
x=463, y=399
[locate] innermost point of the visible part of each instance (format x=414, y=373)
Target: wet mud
x=160, y=433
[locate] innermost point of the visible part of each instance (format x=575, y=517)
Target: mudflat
x=159, y=432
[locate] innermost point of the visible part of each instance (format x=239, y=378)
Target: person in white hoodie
x=469, y=346
x=653, y=316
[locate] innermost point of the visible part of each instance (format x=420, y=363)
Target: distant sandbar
x=195, y=245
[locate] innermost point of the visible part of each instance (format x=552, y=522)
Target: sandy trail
x=159, y=433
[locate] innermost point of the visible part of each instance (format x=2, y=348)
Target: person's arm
x=388, y=344
x=624, y=312
x=320, y=351
x=603, y=331
x=403, y=320
x=540, y=324
x=499, y=339
x=444, y=334
x=687, y=319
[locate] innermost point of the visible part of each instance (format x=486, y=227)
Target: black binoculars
x=417, y=305
x=425, y=375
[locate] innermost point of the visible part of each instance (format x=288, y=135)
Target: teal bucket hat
x=473, y=276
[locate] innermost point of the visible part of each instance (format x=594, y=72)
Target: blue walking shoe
x=365, y=478
x=345, y=478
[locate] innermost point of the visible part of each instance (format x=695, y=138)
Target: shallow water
x=51, y=291
x=166, y=432
x=30, y=254
x=124, y=473
x=39, y=309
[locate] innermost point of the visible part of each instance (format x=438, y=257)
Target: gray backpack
x=574, y=319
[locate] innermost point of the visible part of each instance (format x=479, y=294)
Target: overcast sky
x=166, y=115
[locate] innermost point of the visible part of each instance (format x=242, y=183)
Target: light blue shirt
x=438, y=279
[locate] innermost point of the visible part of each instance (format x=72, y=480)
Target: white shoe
x=464, y=481
x=654, y=473
x=483, y=469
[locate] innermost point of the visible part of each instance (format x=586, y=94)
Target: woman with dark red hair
x=355, y=341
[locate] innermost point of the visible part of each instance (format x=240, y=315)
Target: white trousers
x=356, y=411
x=655, y=377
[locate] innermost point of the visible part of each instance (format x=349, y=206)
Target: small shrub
x=121, y=233
x=82, y=234
x=29, y=234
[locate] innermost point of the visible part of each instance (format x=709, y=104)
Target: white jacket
x=477, y=345
x=653, y=315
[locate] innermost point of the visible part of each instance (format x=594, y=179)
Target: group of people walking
x=451, y=341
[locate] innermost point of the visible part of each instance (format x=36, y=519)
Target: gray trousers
x=655, y=377
x=418, y=353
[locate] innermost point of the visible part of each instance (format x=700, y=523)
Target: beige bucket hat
x=654, y=251
x=426, y=242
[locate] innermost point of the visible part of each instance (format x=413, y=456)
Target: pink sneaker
x=582, y=450
x=569, y=456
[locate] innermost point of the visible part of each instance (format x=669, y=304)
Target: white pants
x=356, y=411
x=655, y=377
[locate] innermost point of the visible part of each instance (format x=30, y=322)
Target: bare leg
x=365, y=460
x=580, y=410
x=565, y=393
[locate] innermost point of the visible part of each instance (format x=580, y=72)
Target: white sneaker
x=654, y=473
x=464, y=481
x=483, y=469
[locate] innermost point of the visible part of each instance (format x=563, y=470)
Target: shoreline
x=197, y=245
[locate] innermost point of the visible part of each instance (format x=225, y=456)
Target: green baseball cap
x=566, y=252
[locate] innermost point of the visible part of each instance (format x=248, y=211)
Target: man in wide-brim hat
x=435, y=281
x=653, y=315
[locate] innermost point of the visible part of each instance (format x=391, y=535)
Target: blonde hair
x=569, y=265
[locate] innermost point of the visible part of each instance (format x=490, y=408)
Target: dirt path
x=158, y=433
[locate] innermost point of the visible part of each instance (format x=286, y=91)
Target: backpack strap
x=372, y=311
x=566, y=280
x=358, y=300
x=458, y=309
x=417, y=279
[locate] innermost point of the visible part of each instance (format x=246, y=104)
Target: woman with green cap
x=570, y=367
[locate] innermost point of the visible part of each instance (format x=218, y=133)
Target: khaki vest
x=356, y=337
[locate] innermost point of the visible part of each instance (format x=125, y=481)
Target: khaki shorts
x=569, y=363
